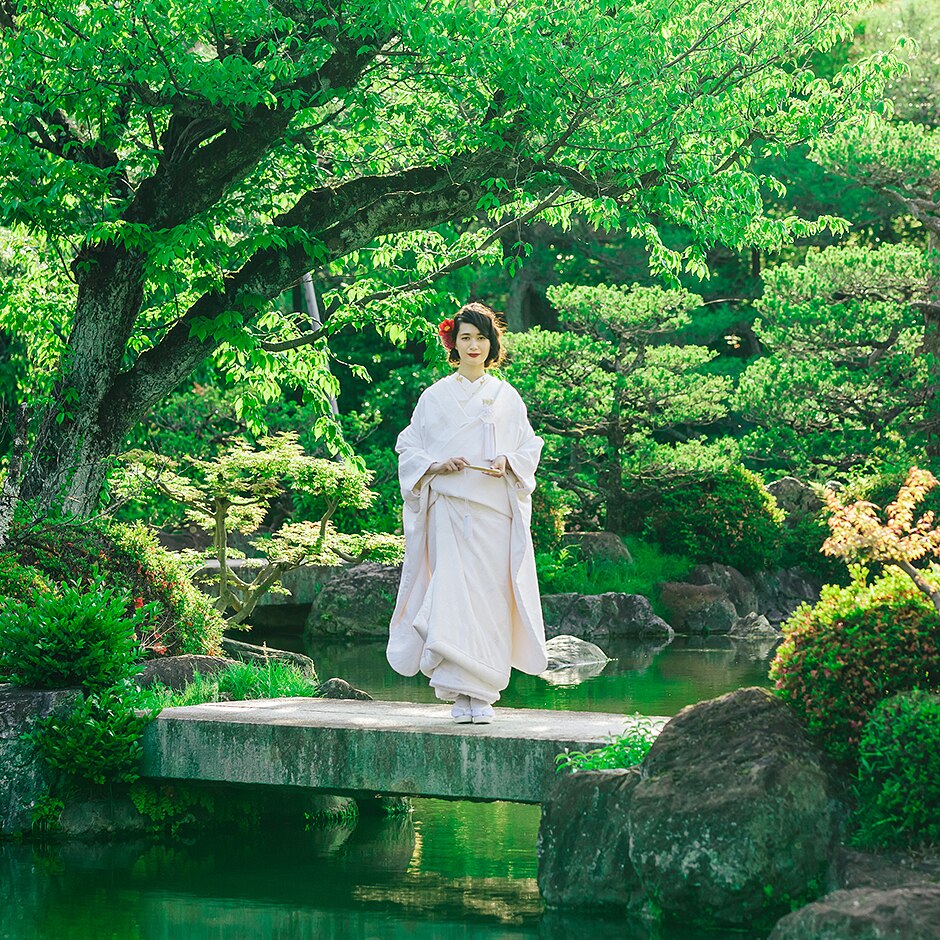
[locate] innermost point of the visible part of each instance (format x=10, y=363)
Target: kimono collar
x=467, y=389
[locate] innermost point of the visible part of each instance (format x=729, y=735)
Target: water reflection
x=451, y=871
x=651, y=679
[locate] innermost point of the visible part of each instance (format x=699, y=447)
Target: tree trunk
x=931, y=346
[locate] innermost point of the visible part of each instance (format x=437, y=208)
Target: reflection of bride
x=468, y=604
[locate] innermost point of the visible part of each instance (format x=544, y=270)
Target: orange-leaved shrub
x=855, y=647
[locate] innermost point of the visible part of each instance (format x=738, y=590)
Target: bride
x=468, y=605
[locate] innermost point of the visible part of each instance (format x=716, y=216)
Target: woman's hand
x=451, y=465
x=498, y=466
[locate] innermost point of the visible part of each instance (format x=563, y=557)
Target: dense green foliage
x=601, y=386
x=845, y=371
x=897, y=794
x=18, y=581
x=177, y=617
x=721, y=514
x=625, y=750
x=183, y=164
x=857, y=646
x=80, y=636
x=97, y=740
x=564, y=570
x=235, y=683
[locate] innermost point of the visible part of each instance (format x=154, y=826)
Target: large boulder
x=796, y=498
x=854, y=869
x=355, y=601
x=572, y=660
x=262, y=655
x=23, y=778
x=697, y=608
x=910, y=912
x=600, y=546
x=176, y=672
x=753, y=627
x=739, y=589
x=584, y=841
x=780, y=592
x=590, y=616
x=736, y=814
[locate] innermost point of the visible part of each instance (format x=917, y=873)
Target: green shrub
x=719, y=514
x=237, y=682
x=564, y=571
x=625, y=750
x=82, y=636
x=801, y=546
x=550, y=508
x=898, y=788
x=98, y=740
x=182, y=620
x=18, y=581
x=856, y=647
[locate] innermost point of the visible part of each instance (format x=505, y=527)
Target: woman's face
x=471, y=345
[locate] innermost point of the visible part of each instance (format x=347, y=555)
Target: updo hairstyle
x=484, y=319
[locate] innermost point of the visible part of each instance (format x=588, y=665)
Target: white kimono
x=468, y=603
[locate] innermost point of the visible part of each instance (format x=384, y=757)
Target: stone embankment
x=733, y=820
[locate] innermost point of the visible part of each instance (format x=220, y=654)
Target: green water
x=447, y=871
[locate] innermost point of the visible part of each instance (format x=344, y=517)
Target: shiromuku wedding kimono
x=468, y=603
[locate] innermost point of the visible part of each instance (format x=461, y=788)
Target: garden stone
x=911, y=912
x=176, y=672
x=853, y=869
x=589, y=616
x=738, y=588
x=563, y=651
x=23, y=779
x=600, y=546
x=356, y=601
x=100, y=820
x=697, y=608
x=260, y=655
x=754, y=626
x=571, y=660
x=341, y=689
x=779, y=593
x=796, y=498
x=736, y=813
x=584, y=841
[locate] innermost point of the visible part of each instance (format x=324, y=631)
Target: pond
x=448, y=870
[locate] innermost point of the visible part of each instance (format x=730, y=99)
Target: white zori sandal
x=481, y=713
x=461, y=710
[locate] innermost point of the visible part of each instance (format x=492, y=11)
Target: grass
x=237, y=682
x=625, y=750
x=564, y=571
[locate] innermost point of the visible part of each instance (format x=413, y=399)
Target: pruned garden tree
x=176, y=165
x=232, y=494
x=605, y=383
x=902, y=160
x=863, y=532
x=844, y=375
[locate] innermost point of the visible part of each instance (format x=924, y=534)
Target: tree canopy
x=178, y=165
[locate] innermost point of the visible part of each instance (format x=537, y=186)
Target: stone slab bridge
x=353, y=747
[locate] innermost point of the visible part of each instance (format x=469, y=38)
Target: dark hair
x=485, y=321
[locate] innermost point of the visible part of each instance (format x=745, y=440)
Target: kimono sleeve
x=524, y=458
x=413, y=458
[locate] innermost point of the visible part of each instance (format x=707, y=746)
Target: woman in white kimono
x=468, y=604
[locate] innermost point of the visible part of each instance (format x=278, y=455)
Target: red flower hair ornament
x=446, y=333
